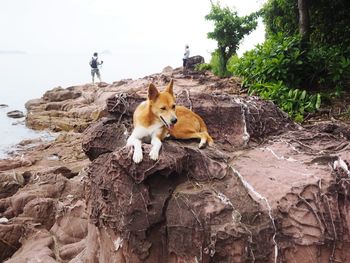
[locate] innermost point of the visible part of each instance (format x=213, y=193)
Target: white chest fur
x=146, y=133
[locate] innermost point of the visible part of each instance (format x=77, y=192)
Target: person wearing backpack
x=94, y=63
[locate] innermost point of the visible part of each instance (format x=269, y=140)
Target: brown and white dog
x=159, y=116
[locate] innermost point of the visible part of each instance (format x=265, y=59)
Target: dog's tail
x=204, y=130
x=210, y=140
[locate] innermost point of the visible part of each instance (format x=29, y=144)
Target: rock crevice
x=268, y=191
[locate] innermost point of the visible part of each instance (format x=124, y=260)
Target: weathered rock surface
x=231, y=120
x=64, y=109
x=60, y=94
x=268, y=191
x=16, y=114
x=192, y=62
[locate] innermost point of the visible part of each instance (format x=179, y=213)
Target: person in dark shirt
x=94, y=63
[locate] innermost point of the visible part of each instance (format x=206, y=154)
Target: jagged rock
x=8, y=185
x=102, y=84
x=194, y=205
x=68, y=109
x=231, y=120
x=268, y=191
x=40, y=202
x=193, y=61
x=120, y=82
x=39, y=250
x=167, y=70
x=60, y=94
x=102, y=137
x=28, y=142
x=14, y=163
x=34, y=103
x=57, y=121
x=145, y=200
x=10, y=235
x=15, y=114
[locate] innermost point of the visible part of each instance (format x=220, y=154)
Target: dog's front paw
x=137, y=157
x=154, y=155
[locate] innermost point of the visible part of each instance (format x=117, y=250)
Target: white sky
x=129, y=26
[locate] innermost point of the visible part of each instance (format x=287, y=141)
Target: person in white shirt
x=94, y=63
x=186, y=56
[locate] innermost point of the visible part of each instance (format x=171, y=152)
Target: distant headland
x=19, y=52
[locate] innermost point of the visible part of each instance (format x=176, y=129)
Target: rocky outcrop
x=176, y=210
x=268, y=191
x=192, y=62
x=278, y=177
x=64, y=109
x=232, y=120
x=16, y=114
x=60, y=94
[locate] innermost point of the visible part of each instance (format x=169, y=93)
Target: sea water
x=27, y=76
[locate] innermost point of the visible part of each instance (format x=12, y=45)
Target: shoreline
x=86, y=185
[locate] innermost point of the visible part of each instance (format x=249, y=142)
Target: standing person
x=186, y=56
x=94, y=63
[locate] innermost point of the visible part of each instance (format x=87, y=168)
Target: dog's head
x=163, y=104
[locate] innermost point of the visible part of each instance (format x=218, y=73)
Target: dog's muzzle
x=172, y=122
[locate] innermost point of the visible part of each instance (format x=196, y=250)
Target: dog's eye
x=173, y=107
x=162, y=108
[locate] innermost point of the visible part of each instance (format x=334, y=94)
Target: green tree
x=229, y=30
x=322, y=22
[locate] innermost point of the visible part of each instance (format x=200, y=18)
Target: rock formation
x=193, y=61
x=16, y=114
x=268, y=191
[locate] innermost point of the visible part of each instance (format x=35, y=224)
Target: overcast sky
x=130, y=26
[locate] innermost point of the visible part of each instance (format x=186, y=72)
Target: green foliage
x=273, y=70
x=203, y=66
x=277, y=69
x=285, y=69
x=281, y=16
x=293, y=101
x=277, y=59
x=231, y=63
x=328, y=67
x=329, y=20
x=217, y=64
x=229, y=30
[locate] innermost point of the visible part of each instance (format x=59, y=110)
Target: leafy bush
x=328, y=67
x=232, y=62
x=278, y=66
x=278, y=59
x=275, y=70
x=217, y=64
x=293, y=101
x=203, y=66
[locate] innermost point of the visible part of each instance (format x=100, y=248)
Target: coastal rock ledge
x=269, y=190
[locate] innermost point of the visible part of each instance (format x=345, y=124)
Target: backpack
x=93, y=63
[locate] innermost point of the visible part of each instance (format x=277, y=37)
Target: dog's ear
x=169, y=88
x=152, y=92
